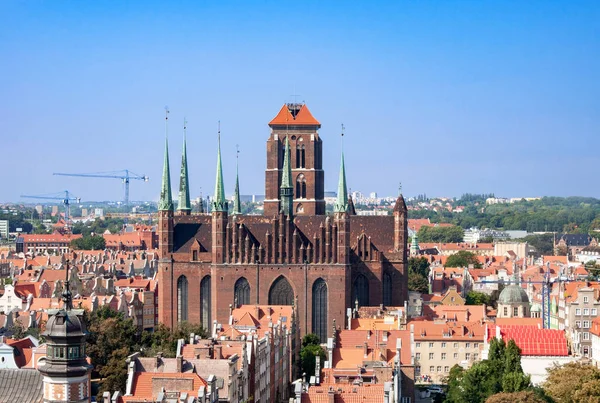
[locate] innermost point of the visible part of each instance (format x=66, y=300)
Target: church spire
x=341, y=204
x=237, y=205
x=184, y=184
x=219, y=202
x=286, y=189
x=166, y=201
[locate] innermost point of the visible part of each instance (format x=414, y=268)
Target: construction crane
x=66, y=200
x=125, y=175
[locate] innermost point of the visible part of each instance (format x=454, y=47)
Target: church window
x=281, y=292
x=241, y=292
x=319, y=309
x=182, y=299
x=360, y=291
x=299, y=208
x=194, y=255
x=205, y=303
x=302, y=157
x=301, y=187
x=387, y=289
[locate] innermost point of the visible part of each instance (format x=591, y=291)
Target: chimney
x=106, y=397
x=366, y=350
x=179, y=360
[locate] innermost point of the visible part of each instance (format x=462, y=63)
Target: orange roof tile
x=142, y=384
x=285, y=117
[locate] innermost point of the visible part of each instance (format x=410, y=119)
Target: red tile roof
x=142, y=384
x=303, y=117
x=534, y=341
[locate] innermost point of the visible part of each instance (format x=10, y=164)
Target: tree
x=419, y=265
x=463, y=258
x=95, y=242
x=311, y=348
x=418, y=283
x=573, y=383
x=451, y=234
x=418, y=270
x=477, y=298
x=526, y=396
x=501, y=372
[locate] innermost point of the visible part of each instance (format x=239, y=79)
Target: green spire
x=184, y=184
x=237, y=205
x=219, y=202
x=341, y=204
x=166, y=201
x=286, y=189
x=414, y=245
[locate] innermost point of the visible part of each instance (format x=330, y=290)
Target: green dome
x=513, y=294
x=535, y=307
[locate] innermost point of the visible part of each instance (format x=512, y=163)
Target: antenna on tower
x=67, y=294
x=399, y=188
x=166, y=121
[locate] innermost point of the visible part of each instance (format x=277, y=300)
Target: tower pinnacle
x=341, y=204
x=219, y=202
x=184, y=185
x=286, y=189
x=166, y=201
x=237, y=205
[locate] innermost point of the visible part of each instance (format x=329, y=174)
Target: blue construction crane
x=66, y=200
x=125, y=175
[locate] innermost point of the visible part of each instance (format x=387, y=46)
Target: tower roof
x=237, y=204
x=219, y=201
x=400, y=205
x=166, y=200
x=184, y=184
x=286, y=177
x=341, y=204
x=294, y=114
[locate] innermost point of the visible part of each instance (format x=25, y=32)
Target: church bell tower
x=294, y=123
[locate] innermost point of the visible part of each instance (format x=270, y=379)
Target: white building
x=10, y=300
x=3, y=228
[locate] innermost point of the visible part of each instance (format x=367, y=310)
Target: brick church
x=293, y=254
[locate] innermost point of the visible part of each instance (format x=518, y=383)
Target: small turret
x=286, y=189
x=184, y=206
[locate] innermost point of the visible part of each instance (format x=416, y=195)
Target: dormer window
x=195, y=255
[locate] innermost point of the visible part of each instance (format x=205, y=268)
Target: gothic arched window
x=205, y=304
x=360, y=291
x=387, y=289
x=281, y=292
x=300, y=186
x=319, y=309
x=182, y=299
x=241, y=292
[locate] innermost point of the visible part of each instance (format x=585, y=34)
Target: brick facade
x=338, y=249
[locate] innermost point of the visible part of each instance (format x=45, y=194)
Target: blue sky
x=445, y=96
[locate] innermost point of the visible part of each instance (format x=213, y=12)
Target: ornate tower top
x=66, y=370
x=294, y=114
x=286, y=188
x=219, y=202
x=341, y=204
x=184, y=185
x=166, y=201
x=237, y=204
